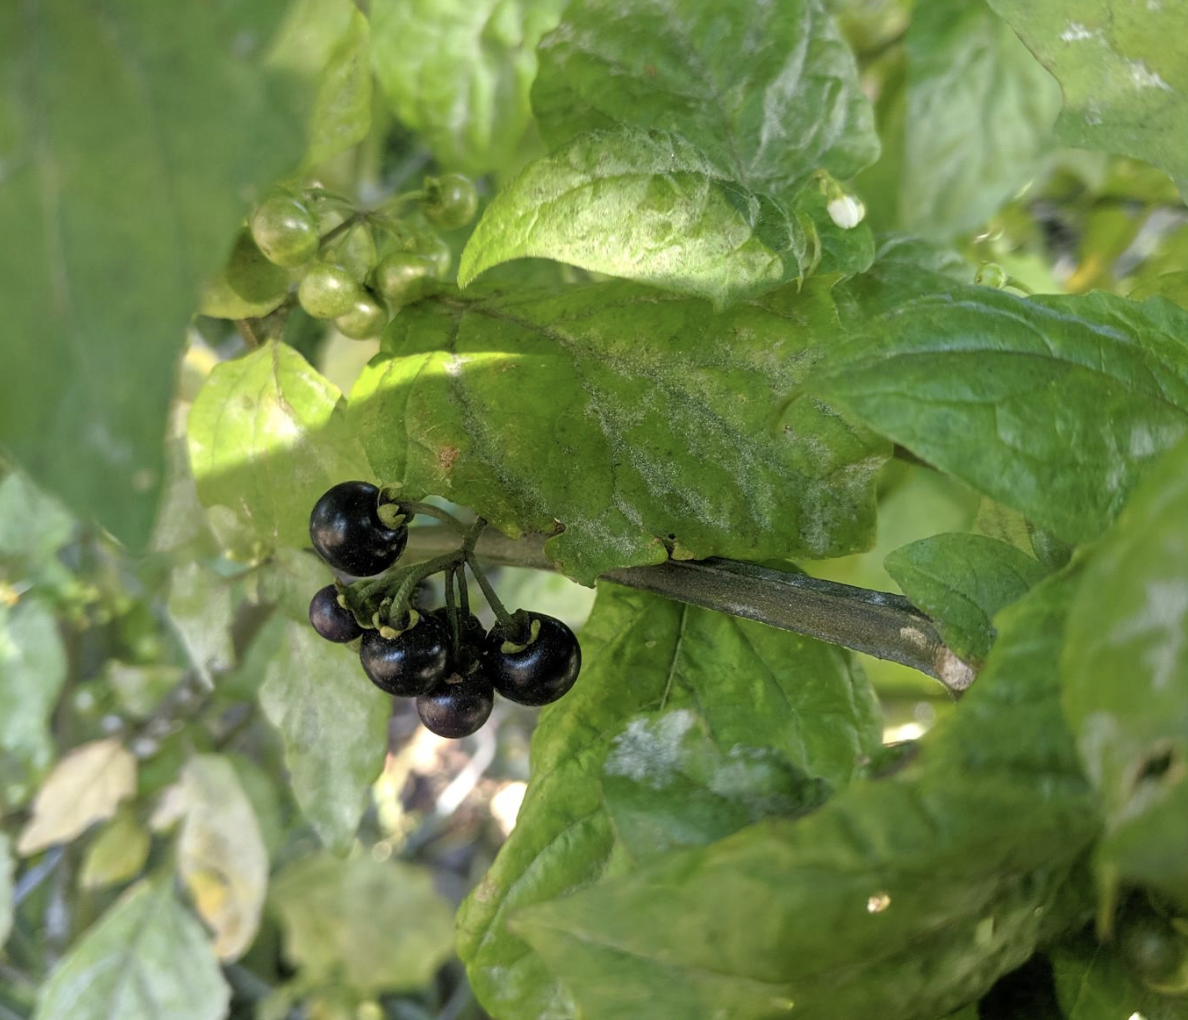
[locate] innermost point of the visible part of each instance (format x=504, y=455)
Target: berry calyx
x=450, y=201
x=402, y=276
x=328, y=290
x=285, y=231
x=330, y=619
x=410, y=663
x=457, y=706
x=366, y=319
x=541, y=668
x=347, y=533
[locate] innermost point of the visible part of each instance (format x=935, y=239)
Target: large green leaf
x=1051, y=405
x=1093, y=984
x=684, y=726
x=899, y=898
x=267, y=437
x=32, y=672
x=769, y=93
x=374, y=926
x=637, y=420
x=131, y=132
x=961, y=581
x=1126, y=684
x=458, y=72
x=1122, y=71
x=979, y=116
x=334, y=725
x=145, y=959
x=200, y=609
x=648, y=206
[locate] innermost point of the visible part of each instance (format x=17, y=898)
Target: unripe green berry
x=450, y=201
x=366, y=319
x=285, y=231
x=328, y=290
x=401, y=276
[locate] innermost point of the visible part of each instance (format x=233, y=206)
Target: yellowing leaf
x=84, y=787
x=221, y=854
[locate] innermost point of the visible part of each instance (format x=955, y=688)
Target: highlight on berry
x=443, y=657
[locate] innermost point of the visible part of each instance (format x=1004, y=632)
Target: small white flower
x=846, y=211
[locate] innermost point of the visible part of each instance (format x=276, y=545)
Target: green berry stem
x=452, y=609
x=436, y=512
x=497, y=607
x=413, y=576
x=337, y=232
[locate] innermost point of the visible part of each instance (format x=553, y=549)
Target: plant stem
x=881, y=624
x=436, y=512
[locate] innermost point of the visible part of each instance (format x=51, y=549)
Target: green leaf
x=267, y=438
x=1125, y=670
x=117, y=854
x=636, y=419
x=200, y=609
x=1051, y=405
x=1093, y=984
x=32, y=672
x=899, y=898
x=648, y=206
x=221, y=858
x=458, y=73
x=768, y=93
x=979, y=116
x=334, y=724
x=7, y=865
x=709, y=720
x=131, y=133
x=327, y=41
x=33, y=526
x=961, y=581
x=146, y=958
x=1123, y=80
x=375, y=926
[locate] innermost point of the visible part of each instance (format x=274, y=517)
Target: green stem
x=497, y=607
x=415, y=575
x=337, y=232
x=436, y=512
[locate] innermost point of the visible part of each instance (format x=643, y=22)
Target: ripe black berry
x=542, y=670
x=348, y=534
x=331, y=620
x=410, y=663
x=459, y=708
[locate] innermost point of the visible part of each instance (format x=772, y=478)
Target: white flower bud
x=846, y=211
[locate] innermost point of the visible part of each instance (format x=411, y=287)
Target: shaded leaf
x=333, y=722
x=1050, y=405
x=267, y=438
x=136, y=129
x=1125, y=670
x=1124, y=83
x=32, y=672
x=1093, y=984
x=979, y=116
x=7, y=866
x=707, y=720
x=634, y=418
x=898, y=898
x=768, y=93
x=146, y=958
x=221, y=856
x=375, y=926
x=961, y=581
x=33, y=526
x=458, y=73
x=85, y=786
x=117, y=854
x=200, y=608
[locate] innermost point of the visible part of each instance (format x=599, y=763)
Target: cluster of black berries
x=442, y=657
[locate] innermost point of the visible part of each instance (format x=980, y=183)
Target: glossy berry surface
x=285, y=231
x=401, y=277
x=347, y=533
x=410, y=663
x=328, y=290
x=450, y=201
x=366, y=319
x=457, y=709
x=331, y=620
x=543, y=670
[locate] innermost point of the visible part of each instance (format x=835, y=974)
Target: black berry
x=331, y=620
x=539, y=671
x=410, y=663
x=457, y=706
x=347, y=533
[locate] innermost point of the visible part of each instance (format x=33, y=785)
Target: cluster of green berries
x=443, y=657
x=353, y=267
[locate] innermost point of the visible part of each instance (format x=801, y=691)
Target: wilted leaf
x=145, y=959
x=375, y=926
x=86, y=786
x=333, y=721
x=638, y=420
